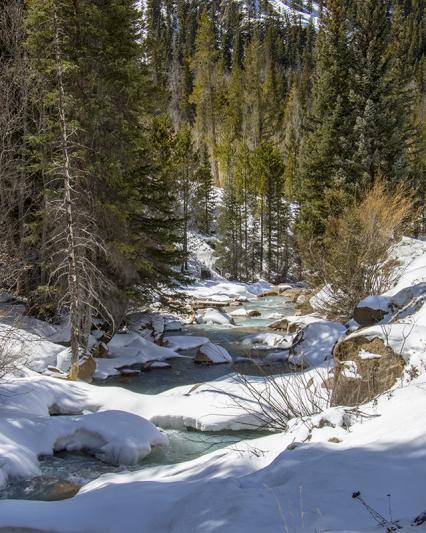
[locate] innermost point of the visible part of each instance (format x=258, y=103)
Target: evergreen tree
x=206, y=96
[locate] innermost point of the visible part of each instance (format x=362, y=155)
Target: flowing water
x=64, y=473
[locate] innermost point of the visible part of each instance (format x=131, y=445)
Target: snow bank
x=35, y=351
x=268, y=485
x=115, y=437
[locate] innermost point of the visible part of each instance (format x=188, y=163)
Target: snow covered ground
x=276, y=483
x=298, y=480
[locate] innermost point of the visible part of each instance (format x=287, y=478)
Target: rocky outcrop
x=364, y=369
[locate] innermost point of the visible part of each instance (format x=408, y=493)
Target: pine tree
x=206, y=96
x=325, y=147
x=204, y=200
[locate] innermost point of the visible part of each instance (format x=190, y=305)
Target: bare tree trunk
x=73, y=276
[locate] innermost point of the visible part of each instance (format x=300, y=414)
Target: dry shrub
x=9, y=356
x=354, y=257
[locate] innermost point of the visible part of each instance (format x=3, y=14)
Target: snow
x=32, y=349
x=270, y=340
x=274, y=316
x=240, y=312
x=380, y=303
x=128, y=349
x=350, y=370
x=185, y=342
x=365, y=355
x=221, y=290
x=298, y=480
x=315, y=342
x=297, y=321
x=215, y=354
x=115, y=437
x=274, y=483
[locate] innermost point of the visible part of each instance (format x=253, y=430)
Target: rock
x=283, y=287
x=214, y=316
x=49, y=488
x=371, y=310
x=100, y=350
x=156, y=364
x=374, y=375
x=293, y=324
x=245, y=313
x=269, y=292
x=420, y=519
x=205, y=273
x=212, y=354
x=283, y=324
x=128, y=371
x=293, y=293
x=86, y=369
x=172, y=325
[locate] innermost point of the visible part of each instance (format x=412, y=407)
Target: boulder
x=364, y=369
x=372, y=310
x=245, y=313
x=100, y=350
x=294, y=293
x=214, y=316
x=269, y=292
x=211, y=353
x=205, y=273
x=87, y=368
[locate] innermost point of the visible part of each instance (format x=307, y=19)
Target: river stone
x=376, y=375
x=269, y=292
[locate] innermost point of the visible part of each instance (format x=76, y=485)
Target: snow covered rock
x=372, y=310
x=185, y=342
x=313, y=345
x=212, y=354
x=267, y=340
x=293, y=324
x=242, y=312
x=214, y=316
x=364, y=369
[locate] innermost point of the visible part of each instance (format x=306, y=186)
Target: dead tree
x=74, y=242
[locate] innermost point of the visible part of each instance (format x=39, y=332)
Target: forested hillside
x=120, y=121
